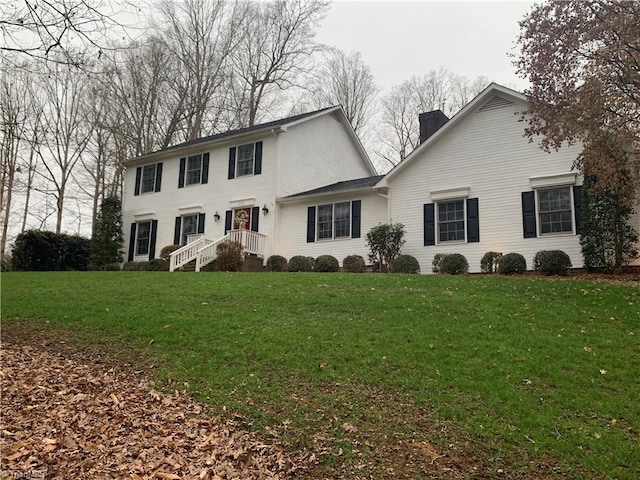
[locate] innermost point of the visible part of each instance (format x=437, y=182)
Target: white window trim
x=551, y=181
x=190, y=210
x=464, y=220
x=138, y=222
x=155, y=177
x=538, y=213
x=253, y=161
x=450, y=194
x=333, y=222
x=186, y=169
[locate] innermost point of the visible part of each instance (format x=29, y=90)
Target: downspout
x=388, y=197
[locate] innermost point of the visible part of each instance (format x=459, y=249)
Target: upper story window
x=554, y=211
x=245, y=160
x=194, y=170
x=148, y=178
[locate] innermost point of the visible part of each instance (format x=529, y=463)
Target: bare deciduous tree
x=344, y=79
x=280, y=38
x=399, y=110
x=58, y=30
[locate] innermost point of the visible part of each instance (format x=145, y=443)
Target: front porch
x=204, y=250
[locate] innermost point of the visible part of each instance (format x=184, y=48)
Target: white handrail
x=208, y=253
x=185, y=254
x=252, y=242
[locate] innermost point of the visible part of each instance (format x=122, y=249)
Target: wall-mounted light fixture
x=216, y=216
x=265, y=209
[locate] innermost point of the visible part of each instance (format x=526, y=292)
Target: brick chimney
x=430, y=122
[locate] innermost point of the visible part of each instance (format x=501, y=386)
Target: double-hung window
x=451, y=221
x=189, y=227
x=334, y=220
x=554, y=210
x=246, y=159
x=148, y=178
x=143, y=237
x=194, y=170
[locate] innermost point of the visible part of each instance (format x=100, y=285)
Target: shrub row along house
x=304, y=185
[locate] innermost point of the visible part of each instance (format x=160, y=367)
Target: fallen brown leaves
x=65, y=419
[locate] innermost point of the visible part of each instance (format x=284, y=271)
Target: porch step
x=188, y=267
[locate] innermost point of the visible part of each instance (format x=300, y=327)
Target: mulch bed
x=65, y=418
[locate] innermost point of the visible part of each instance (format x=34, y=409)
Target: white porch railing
x=252, y=242
x=185, y=254
x=208, y=253
x=204, y=251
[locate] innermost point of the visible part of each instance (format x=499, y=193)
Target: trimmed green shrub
x=229, y=258
x=489, y=262
x=436, y=263
x=326, y=263
x=551, y=262
x=300, y=263
x=277, y=263
x=405, y=264
x=512, y=263
x=454, y=264
x=167, y=250
x=353, y=264
x=34, y=250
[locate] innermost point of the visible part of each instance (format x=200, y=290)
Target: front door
x=242, y=219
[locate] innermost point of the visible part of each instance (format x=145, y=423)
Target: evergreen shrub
x=551, y=262
x=512, y=263
x=300, y=263
x=454, y=264
x=405, y=264
x=353, y=264
x=326, y=263
x=277, y=263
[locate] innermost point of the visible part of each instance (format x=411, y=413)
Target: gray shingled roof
x=240, y=131
x=355, y=184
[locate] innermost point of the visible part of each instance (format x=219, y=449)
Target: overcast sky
x=401, y=39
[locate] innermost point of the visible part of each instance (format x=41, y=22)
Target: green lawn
x=515, y=376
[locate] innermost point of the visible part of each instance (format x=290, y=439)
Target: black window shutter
x=473, y=220
x=228, y=218
x=176, y=231
x=577, y=205
x=429, y=224
x=311, y=224
x=158, y=176
x=232, y=163
x=205, y=168
x=255, y=217
x=257, y=166
x=132, y=242
x=183, y=167
x=356, y=206
x=136, y=190
x=529, y=214
x=152, y=242
x=201, y=222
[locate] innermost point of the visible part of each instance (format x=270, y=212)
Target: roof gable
x=491, y=98
x=280, y=125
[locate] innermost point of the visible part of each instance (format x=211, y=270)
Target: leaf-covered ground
x=67, y=418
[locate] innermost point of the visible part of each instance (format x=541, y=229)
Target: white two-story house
x=196, y=193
